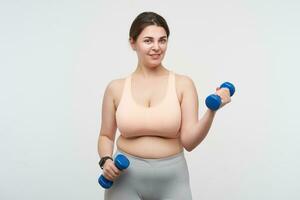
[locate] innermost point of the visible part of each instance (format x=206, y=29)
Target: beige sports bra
x=163, y=119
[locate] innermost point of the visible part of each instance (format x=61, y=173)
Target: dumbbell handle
x=214, y=101
x=121, y=162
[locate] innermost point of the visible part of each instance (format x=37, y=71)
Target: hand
x=224, y=93
x=110, y=171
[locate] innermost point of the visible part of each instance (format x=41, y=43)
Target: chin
x=154, y=65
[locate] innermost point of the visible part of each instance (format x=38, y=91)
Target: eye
x=147, y=41
x=163, y=41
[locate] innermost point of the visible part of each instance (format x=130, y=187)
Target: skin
x=150, y=47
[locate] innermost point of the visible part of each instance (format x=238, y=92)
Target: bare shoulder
x=183, y=82
x=116, y=84
x=115, y=87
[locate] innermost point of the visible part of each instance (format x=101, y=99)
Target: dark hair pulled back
x=146, y=19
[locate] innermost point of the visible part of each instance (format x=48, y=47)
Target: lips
x=155, y=56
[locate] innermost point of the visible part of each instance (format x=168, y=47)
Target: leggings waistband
x=154, y=161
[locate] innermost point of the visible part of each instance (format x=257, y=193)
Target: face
x=151, y=45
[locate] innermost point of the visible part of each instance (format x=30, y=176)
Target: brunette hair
x=146, y=19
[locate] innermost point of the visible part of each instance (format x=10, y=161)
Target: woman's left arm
x=193, y=130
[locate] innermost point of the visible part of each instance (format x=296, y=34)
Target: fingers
x=224, y=94
x=110, y=171
x=110, y=175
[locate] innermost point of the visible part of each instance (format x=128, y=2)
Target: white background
x=57, y=58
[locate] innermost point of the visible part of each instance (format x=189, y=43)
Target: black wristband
x=103, y=160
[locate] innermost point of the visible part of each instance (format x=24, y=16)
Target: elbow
x=189, y=149
x=188, y=146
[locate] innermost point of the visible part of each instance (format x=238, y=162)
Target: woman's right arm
x=108, y=132
x=108, y=123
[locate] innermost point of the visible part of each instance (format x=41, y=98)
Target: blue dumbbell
x=121, y=162
x=213, y=101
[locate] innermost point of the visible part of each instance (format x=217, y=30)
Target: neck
x=148, y=72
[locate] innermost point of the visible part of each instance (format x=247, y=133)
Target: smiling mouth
x=155, y=56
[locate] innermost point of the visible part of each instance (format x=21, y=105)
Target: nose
x=155, y=46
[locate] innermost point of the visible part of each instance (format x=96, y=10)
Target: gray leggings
x=152, y=179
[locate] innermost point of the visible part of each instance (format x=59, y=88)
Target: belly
x=150, y=146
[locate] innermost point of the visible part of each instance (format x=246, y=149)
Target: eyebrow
x=152, y=37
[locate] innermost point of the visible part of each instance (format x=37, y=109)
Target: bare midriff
x=149, y=146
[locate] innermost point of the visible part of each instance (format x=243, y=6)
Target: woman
x=156, y=112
